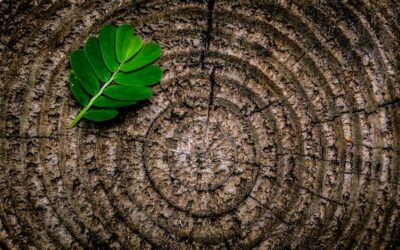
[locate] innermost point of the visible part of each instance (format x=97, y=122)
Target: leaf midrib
x=87, y=107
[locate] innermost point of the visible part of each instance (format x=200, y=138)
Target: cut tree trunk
x=275, y=126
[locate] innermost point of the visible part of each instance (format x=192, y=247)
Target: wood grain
x=276, y=126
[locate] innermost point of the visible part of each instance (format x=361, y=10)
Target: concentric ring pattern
x=276, y=126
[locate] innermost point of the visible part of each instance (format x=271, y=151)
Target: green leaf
x=93, y=54
x=148, y=75
x=105, y=102
x=134, y=92
x=107, y=46
x=77, y=90
x=84, y=72
x=99, y=115
x=118, y=60
x=127, y=44
x=148, y=54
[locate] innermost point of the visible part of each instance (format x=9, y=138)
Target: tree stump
x=276, y=126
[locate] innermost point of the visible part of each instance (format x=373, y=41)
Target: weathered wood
x=276, y=126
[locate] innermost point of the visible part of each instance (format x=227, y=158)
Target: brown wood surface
x=276, y=126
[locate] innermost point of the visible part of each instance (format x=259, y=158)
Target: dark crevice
x=207, y=34
x=210, y=98
x=212, y=88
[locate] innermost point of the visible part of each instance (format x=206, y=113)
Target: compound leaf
x=122, y=63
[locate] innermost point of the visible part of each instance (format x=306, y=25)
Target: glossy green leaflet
x=112, y=71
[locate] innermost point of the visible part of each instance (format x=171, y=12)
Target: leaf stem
x=87, y=107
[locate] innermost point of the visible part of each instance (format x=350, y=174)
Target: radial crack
x=208, y=32
x=210, y=100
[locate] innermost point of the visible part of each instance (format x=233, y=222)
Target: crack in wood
x=208, y=32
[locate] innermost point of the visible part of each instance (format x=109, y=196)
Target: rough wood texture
x=276, y=126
